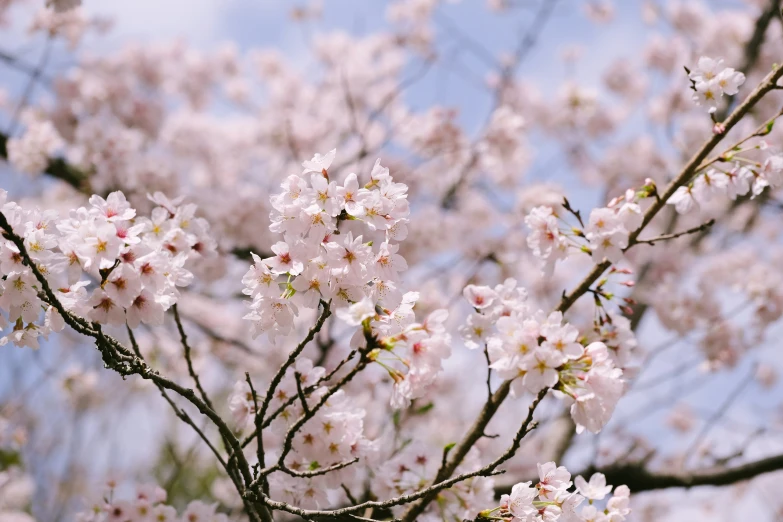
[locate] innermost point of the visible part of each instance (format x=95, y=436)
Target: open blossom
x=357, y=312
x=596, y=489
x=682, y=199
x=554, y=480
x=479, y=296
x=93, y=257
x=333, y=435
x=545, y=239
x=273, y=316
x=538, y=351
x=114, y=208
x=712, y=81
x=356, y=272
x=286, y=260
x=323, y=247
x=349, y=258
x=259, y=279
x=520, y=501
x=319, y=164
x=542, y=369
x=352, y=196
x=475, y=330
x=607, y=235
x=595, y=392
x=147, y=504
x=550, y=499
x=737, y=181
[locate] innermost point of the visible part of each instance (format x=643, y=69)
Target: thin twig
x=259, y=418
x=184, y=340
x=664, y=237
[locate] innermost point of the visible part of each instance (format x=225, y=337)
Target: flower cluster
x=711, y=81
x=738, y=180
x=608, y=229
x=414, y=468
x=606, y=232
x=550, y=499
x=319, y=261
x=339, y=247
x=616, y=332
x=723, y=335
x=133, y=264
x=333, y=435
x=539, y=351
x=149, y=504
x=30, y=153
x=411, y=352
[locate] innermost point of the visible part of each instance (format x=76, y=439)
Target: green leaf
x=9, y=458
x=424, y=409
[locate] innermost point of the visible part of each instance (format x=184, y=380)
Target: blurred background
x=603, y=103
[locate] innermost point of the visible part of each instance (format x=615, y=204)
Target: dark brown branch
x=701, y=228
x=642, y=480
x=639, y=479
x=445, y=471
x=261, y=413
x=300, y=392
x=752, y=49
x=321, y=471
x=272, y=416
x=687, y=172
x=683, y=177
x=228, y=466
x=118, y=358
x=296, y=426
x=486, y=471
x=186, y=346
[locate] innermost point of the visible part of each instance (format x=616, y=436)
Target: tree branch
x=261, y=413
x=184, y=340
x=664, y=237
x=638, y=478
x=684, y=176
x=752, y=49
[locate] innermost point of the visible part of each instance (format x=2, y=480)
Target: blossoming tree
x=326, y=304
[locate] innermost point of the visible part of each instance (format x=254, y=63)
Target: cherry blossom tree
x=236, y=289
